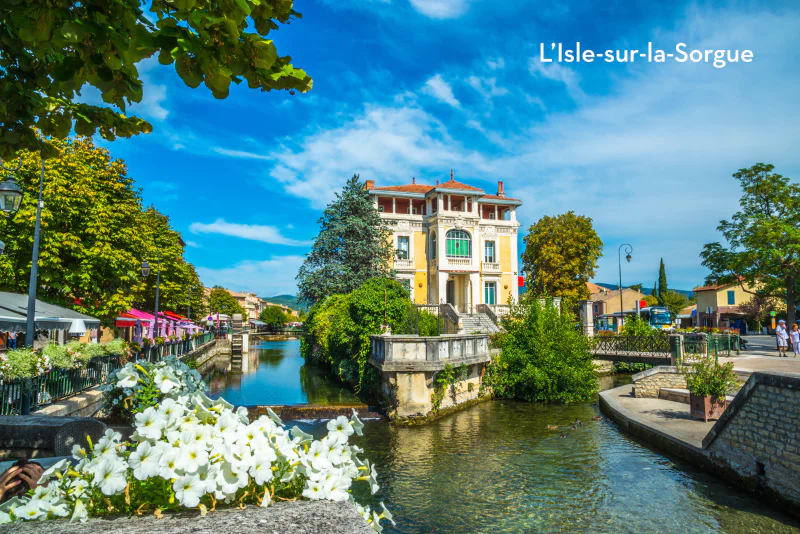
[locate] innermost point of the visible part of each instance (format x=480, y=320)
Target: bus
x=658, y=317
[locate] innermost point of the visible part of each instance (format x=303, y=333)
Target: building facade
x=718, y=305
x=453, y=242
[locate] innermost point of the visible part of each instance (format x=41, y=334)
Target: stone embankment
x=306, y=517
x=754, y=445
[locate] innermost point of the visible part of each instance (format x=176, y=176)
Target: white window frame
x=495, y=283
x=494, y=251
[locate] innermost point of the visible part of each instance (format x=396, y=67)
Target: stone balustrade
x=410, y=353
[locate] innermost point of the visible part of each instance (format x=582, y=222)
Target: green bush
x=428, y=324
x=339, y=327
x=542, y=357
x=21, y=364
x=117, y=347
x=59, y=356
x=636, y=326
x=707, y=378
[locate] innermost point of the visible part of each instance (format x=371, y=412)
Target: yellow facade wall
x=505, y=288
x=718, y=298
x=420, y=244
x=421, y=287
x=504, y=243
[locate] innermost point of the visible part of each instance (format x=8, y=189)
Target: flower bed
x=192, y=452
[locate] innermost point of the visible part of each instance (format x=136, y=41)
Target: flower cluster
x=193, y=452
x=141, y=384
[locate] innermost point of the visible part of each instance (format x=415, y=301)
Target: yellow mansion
x=453, y=242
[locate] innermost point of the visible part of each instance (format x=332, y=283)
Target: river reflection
x=273, y=372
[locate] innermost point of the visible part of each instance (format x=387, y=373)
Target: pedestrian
x=794, y=335
x=782, y=336
x=12, y=340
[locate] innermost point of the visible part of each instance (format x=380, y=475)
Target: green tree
x=273, y=315
x=542, y=358
x=90, y=239
x=662, y=282
x=560, y=256
x=49, y=50
x=221, y=301
x=674, y=301
x=758, y=308
x=763, y=252
x=651, y=300
x=636, y=287
x=353, y=245
x=654, y=293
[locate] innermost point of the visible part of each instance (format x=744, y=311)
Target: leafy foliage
x=223, y=302
x=95, y=234
x=674, y=301
x=662, y=283
x=636, y=326
x=353, y=245
x=273, y=315
x=542, y=357
x=446, y=378
x=763, y=239
x=339, y=327
x=758, y=308
x=707, y=378
x=50, y=50
x=560, y=256
x=651, y=300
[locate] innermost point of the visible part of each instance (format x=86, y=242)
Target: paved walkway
x=670, y=418
x=752, y=362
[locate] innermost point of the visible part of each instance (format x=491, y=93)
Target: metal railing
x=154, y=353
x=54, y=385
x=635, y=345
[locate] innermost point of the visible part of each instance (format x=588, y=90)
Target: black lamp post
x=146, y=273
x=189, y=306
x=628, y=250
x=10, y=196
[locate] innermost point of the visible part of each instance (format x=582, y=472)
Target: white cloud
x=486, y=86
x=440, y=9
x=389, y=144
x=254, y=232
x=239, y=153
x=192, y=244
x=558, y=73
x=496, y=64
x=266, y=277
x=441, y=90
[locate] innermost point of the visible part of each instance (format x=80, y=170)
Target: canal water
x=495, y=467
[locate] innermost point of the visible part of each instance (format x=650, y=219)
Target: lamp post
x=11, y=199
x=628, y=251
x=189, y=306
x=146, y=273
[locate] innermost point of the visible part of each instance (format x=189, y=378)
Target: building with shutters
x=453, y=242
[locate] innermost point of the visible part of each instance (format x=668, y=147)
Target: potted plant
x=708, y=383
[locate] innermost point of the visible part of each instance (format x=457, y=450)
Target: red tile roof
x=410, y=188
x=495, y=197
x=716, y=287
x=452, y=184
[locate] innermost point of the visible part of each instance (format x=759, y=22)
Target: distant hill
x=647, y=290
x=286, y=300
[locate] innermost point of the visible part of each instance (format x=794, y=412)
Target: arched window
x=433, y=245
x=459, y=244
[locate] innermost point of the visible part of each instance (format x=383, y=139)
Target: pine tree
x=352, y=247
x=654, y=293
x=662, y=282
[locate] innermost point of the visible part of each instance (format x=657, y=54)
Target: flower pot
x=706, y=407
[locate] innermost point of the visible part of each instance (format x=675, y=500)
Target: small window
x=490, y=292
x=488, y=249
x=433, y=245
x=402, y=247
x=406, y=283
x=731, y=298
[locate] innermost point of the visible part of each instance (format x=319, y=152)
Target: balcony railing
x=491, y=267
x=459, y=262
x=403, y=264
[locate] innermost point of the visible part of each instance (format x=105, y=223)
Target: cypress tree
x=654, y=293
x=352, y=247
x=662, y=282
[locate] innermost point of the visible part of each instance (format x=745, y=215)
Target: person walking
x=12, y=340
x=794, y=335
x=782, y=336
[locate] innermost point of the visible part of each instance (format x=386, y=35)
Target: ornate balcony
x=403, y=264
x=490, y=267
x=459, y=262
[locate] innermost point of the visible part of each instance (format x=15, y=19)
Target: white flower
x=166, y=380
x=188, y=490
x=336, y=488
x=318, y=456
x=168, y=463
x=104, y=447
x=33, y=509
x=56, y=509
x=145, y=461
x=314, y=490
x=207, y=473
x=79, y=513
x=170, y=409
x=78, y=487
x=78, y=452
x=127, y=377
x=340, y=429
x=261, y=468
x=51, y=472
x=149, y=424
x=190, y=456
x=109, y=476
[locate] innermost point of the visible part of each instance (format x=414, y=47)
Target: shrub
x=140, y=385
x=21, y=364
x=542, y=357
x=59, y=356
x=117, y=347
x=339, y=327
x=708, y=378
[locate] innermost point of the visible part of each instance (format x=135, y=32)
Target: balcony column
x=475, y=298
x=449, y=203
x=394, y=205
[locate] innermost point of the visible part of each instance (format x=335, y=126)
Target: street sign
x=772, y=314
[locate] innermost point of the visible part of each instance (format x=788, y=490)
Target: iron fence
x=54, y=385
x=635, y=345
x=423, y=320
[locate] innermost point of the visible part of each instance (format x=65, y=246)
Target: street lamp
x=189, y=306
x=10, y=197
x=628, y=251
x=145, y=269
x=146, y=273
x=2, y=248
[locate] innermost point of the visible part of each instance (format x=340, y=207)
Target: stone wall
x=758, y=436
x=648, y=383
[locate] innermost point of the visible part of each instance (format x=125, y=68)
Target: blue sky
x=408, y=88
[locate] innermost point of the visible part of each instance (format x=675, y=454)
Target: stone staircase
x=478, y=323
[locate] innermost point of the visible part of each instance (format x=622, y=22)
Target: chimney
x=413, y=180
x=500, y=190
x=451, y=175
x=369, y=185
x=437, y=182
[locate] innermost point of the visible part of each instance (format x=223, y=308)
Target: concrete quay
x=754, y=445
